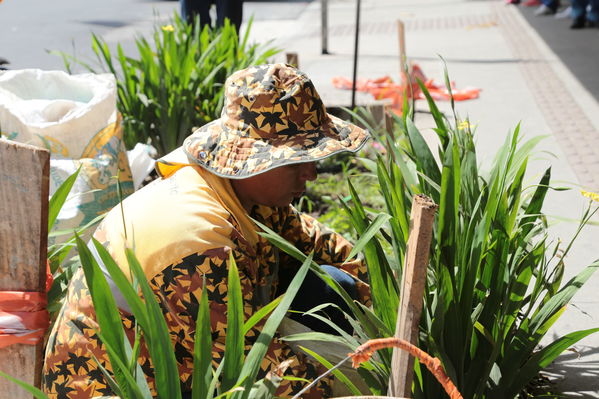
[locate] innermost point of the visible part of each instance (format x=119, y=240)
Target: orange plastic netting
x=384, y=87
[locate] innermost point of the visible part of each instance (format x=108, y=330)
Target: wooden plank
x=24, y=185
x=412, y=293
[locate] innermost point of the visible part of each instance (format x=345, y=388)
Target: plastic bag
x=75, y=117
x=141, y=161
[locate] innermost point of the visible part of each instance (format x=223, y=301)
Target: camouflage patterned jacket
x=183, y=228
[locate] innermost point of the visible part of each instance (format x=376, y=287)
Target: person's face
x=275, y=188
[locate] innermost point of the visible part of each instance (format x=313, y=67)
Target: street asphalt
x=577, y=49
x=548, y=86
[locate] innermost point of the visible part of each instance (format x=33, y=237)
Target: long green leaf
x=372, y=229
x=107, y=312
x=59, y=197
x=291, y=250
x=124, y=285
x=383, y=286
x=127, y=385
x=563, y=296
x=29, y=388
x=234, y=339
x=533, y=211
x=422, y=153
x=543, y=358
x=437, y=115
x=260, y=314
x=337, y=373
x=157, y=336
x=254, y=358
x=311, y=336
x=202, y=350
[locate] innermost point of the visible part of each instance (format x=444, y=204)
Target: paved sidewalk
x=485, y=44
x=491, y=46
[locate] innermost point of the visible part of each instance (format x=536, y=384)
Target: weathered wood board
x=413, y=283
x=24, y=185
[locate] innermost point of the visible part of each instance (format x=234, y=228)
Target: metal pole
x=353, y=88
x=324, y=26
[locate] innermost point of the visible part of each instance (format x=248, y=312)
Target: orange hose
x=364, y=351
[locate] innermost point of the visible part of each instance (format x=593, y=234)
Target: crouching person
x=247, y=165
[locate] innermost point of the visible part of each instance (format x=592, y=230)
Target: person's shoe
x=544, y=10
x=578, y=23
x=532, y=3
x=565, y=13
x=2, y=63
x=515, y=2
x=592, y=24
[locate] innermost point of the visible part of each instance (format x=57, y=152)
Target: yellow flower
x=588, y=194
x=168, y=28
x=466, y=125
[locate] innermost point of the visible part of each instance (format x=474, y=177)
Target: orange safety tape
x=24, y=318
x=19, y=301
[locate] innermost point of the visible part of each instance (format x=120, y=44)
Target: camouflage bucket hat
x=272, y=117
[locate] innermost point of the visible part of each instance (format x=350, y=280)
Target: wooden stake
x=292, y=59
x=412, y=293
x=24, y=186
x=389, y=121
x=401, y=34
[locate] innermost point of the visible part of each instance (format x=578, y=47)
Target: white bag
x=75, y=117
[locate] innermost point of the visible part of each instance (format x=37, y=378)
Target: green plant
x=495, y=280
x=62, y=263
x=236, y=370
x=176, y=83
x=322, y=195
x=494, y=285
x=237, y=374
